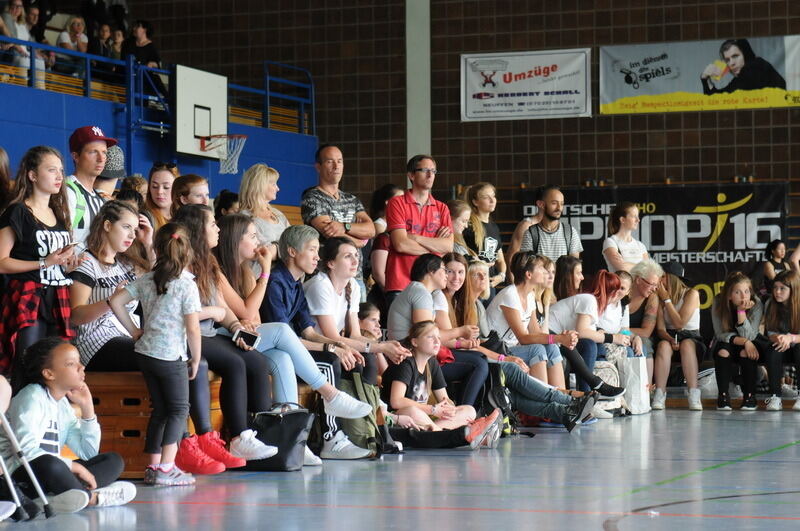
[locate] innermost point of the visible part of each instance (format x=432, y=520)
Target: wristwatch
x=347, y=227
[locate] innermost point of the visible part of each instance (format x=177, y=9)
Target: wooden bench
x=292, y=213
x=122, y=405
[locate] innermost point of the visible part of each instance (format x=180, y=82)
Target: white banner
x=526, y=85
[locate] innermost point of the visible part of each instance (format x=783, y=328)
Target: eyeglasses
x=164, y=165
x=649, y=284
x=427, y=170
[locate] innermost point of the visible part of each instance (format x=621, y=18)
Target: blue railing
x=284, y=103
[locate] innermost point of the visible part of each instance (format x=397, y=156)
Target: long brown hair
x=620, y=211
x=232, y=229
x=446, y=259
x=24, y=186
x=328, y=253
x=675, y=288
x=181, y=188
x=780, y=314
x=456, y=208
x=5, y=179
x=173, y=254
x=112, y=211
x=148, y=201
x=724, y=308
x=465, y=299
x=204, y=266
x=471, y=195
x=564, y=285
x=416, y=330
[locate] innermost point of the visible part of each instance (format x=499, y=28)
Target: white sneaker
x=600, y=413
x=787, y=391
x=695, y=404
x=247, y=447
x=70, y=501
x=340, y=447
x=659, y=399
x=7, y=508
x=796, y=406
x=118, y=493
x=346, y=407
x=309, y=459
x=774, y=403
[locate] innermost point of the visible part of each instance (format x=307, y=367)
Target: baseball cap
x=88, y=133
x=115, y=164
x=676, y=269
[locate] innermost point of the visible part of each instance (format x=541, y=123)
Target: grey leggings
x=168, y=384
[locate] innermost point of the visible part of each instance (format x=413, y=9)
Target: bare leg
x=555, y=376
x=662, y=363
x=463, y=416
x=688, y=351
x=419, y=417
x=539, y=371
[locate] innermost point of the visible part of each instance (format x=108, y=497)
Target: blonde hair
x=470, y=196
x=253, y=186
x=70, y=20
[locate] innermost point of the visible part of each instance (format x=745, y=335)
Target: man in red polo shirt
x=417, y=224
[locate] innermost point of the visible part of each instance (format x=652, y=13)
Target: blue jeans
x=531, y=396
x=601, y=351
x=588, y=351
x=286, y=356
x=534, y=353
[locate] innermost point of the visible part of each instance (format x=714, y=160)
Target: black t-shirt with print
x=416, y=385
x=35, y=240
x=492, y=243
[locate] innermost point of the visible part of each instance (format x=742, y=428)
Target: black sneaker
x=723, y=402
x=609, y=392
x=749, y=403
x=577, y=410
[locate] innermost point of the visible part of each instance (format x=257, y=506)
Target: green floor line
x=705, y=469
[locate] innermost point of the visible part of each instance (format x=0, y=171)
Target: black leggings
x=245, y=385
x=576, y=364
x=55, y=476
x=429, y=439
x=724, y=368
x=470, y=368
x=168, y=384
x=774, y=361
x=117, y=355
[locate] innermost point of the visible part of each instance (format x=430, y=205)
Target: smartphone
x=249, y=338
x=77, y=247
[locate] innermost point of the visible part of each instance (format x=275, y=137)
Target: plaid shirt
x=21, y=310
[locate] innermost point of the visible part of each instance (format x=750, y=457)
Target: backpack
x=497, y=396
x=367, y=432
x=534, y=230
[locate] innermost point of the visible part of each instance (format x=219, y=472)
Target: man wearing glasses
x=417, y=224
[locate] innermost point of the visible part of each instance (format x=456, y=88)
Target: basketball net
x=228, y=148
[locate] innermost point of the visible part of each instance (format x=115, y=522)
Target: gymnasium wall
x=356, y=49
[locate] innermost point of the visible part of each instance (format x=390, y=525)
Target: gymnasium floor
x=665, y=470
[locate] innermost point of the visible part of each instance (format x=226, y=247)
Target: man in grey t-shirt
x=550, y=235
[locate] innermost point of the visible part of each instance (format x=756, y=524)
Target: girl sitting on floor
x=50, y=376
x=782, y=325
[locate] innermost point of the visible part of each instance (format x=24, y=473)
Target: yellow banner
x=687, y=101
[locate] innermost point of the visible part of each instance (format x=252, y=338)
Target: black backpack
x=497, y=396
x=534, y=230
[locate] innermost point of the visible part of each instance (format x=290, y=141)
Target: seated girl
x=782, y=326
x=581, y=312
x=616, y=319
x=736, y=314
x=408, y=385
x=511, y=312
x=678, y=329
x=49, y=383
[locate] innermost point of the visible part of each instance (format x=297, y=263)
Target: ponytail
x=173, y=254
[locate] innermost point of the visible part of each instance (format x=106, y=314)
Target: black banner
x=710, y=229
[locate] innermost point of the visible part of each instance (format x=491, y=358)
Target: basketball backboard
x=201, y=109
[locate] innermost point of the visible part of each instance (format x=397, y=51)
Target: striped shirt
x=553, y=245
x=103, y=279
x=93, y=203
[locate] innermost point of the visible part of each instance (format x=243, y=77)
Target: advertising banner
x=715, y=75
x=526, y=85
x=709, y=229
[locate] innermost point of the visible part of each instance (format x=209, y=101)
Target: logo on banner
x=646, y=70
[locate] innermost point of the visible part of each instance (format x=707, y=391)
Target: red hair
x=604, y=285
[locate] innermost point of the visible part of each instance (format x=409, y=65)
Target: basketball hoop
x=227, y=148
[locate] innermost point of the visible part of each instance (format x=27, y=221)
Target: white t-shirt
x=692, y=324
x=614, y=318
x=509, y=297
x=440, y=301
x=632, y=251
x=322, y=299
x=564, y=313
x=63, y=38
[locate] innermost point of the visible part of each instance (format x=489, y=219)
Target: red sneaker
x=478, y=428
x=214, y=447
x=192, y=459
